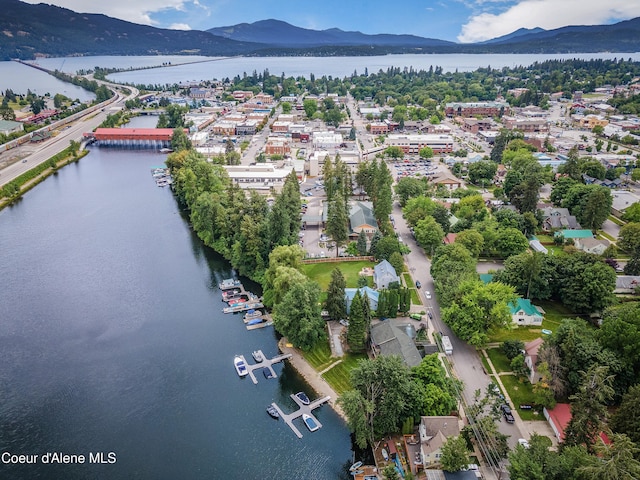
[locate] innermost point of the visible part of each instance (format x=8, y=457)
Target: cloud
x=547, y=14
x=179, y=26
x=139, y=11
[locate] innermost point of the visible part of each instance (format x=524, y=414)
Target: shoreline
x=312, y=377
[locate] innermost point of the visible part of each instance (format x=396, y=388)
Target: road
x=465, y=359
x=34, y=154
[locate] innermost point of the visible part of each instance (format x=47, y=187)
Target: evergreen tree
x=337, y=222
x=335, y=303
x=377, y=236
x=366, y=309
x=357, y=328
x=362, y=243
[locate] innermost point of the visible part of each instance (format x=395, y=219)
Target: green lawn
x=500, y=361
x=339, y=377
x=320, y=356
x=408, y=282
x=545, y=238
x=554, y=314
x=526, y=334
x=616, y=220
x=321, y=272
x=521, y=392
x=415, y=298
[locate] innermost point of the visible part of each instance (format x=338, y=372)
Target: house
x=434, y=433
x=361, y=218
x=387, y=339
x=554, y=218
x=627, y=283
x=531, y=350
x=574, y=234
x=371, y=294
x=7, y=127
x=591, y=245
x=523, y=312
x=449, y=238
x=384, y=274
x=559, y=418
x=448, y=181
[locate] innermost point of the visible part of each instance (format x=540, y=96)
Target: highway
x=33, y=154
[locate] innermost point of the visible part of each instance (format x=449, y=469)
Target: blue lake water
x=112, y=339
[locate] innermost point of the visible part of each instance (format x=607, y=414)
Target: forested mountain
x=283, y=34
x=27, y=31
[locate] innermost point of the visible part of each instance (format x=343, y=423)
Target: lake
x=112, y=339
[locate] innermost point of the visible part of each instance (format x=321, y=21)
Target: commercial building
x=411, y=144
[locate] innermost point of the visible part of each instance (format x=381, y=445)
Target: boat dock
x=264, y=323
x=266, y=363
x=289, y=418
x=243, y=307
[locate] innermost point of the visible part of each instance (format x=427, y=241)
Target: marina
x=303, y=411
x=265, y=363
x=162, y=176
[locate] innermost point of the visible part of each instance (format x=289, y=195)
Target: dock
x=265, y=323
x=243, y=307
x=289, y=418
x=266, y=363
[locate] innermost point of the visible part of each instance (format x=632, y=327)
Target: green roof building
x=523, y=312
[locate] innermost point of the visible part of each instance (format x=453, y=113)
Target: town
x=462, y=276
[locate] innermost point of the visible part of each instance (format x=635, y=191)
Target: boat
x=303, y=398
x=241, y=368
x=229, y=283
x=310, y=422
x=267, y=373
x=355, y=466
x=257, y=356
x=385, y=455
x=255, y=321
x=273, y=412
x=252, y=314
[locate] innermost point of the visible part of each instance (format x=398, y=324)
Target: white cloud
x=547, y=14
x=138, y=12
x=179, y=26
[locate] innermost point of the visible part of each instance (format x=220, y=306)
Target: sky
x=462, y=21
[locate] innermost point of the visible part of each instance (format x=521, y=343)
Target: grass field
x=320, y=356
x=339, y=377
x=407, y=279
x=415, y=298
x=500, y=361
x=521, y=392
x=321, y=272
x=526, y=334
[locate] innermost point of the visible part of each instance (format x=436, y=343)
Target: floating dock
x=265, y=323
x=230, y=283
x=289, y=418
x=243, y=307
x=266, y=363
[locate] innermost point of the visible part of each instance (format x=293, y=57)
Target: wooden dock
x=265, y=323
x=289, y=418
x=243, y=307
x=266, y=363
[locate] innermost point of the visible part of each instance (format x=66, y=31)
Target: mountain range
x=28, y=31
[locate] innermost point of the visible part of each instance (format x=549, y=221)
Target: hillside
x=29, y=30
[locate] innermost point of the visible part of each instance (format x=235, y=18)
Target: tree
x=455, y=455
x=615, y=461
x=472, y=241
x=310, y=107
x=179, y=140
x=596, y=209
x=389, y=472
x=437, y=390
x=626, y=420
x=362, y=243
x=357, y=326
x=589, y=407
x=286, y=256
x=425, y=152
x=298, y=315
x=629, y=238
x=385, y=247
x=510, y=241
x=337, y=219
x=409, y=187
x=632, y=213
x=451, y=265
x=383, y=396
x=397, y=262
x=429, y=234
x=478, y=309
x=620, y=333
x=286, y=107
x=586, y=283
x=74, y=147
x=335, y=295
x=418, y=208
x=394, y=152
x=482, y=172
x=512, y=348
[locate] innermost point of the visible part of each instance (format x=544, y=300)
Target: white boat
x=310, y=422
x=303, y=398
x=385, y=455
x=241, y=367
x=355, y=466
x=257, y=356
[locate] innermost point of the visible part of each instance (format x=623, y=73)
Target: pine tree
x=357, y=327
x=335, y=304
x=362, y=243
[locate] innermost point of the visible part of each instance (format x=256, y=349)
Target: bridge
x=138, y=137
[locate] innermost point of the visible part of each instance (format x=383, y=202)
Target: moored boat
x=273, y=412
x=267, y=373
x=310, y=422
x=255, y=321
x=241, y=367
x=355, y=466
x=257, y=356
x=303, y=398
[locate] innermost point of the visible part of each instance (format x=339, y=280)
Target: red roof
x=134, y=133
x=561, y=416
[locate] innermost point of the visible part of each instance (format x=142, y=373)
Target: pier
x=266, y=363
x=289, y=418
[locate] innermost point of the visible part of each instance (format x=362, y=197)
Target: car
x=418, y=284
x=506, y=412
x=427, y=294
x=344, y=323
x=24, y=161
x=523, y=442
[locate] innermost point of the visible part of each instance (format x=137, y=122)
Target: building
x=327, y=140
x=280, y=127
x=531, y=351
x=434, y=433
x=590, y=121
x=472, y=109
x=559, y=418
x=526, y=125
x=277, y=146
x=574, y=234
x=412, y=143
x=248, y=127
x=371, y=294
x=361, y=218
x=224, y=127
x=447, y=180
x=591, y=245
x=388, y=339
x=7, y=127
x=523, y=312
x=474, y=125
x=554, y=218
x=378, y=128
x=627, y=284
x=384, y=274
x=262, y=177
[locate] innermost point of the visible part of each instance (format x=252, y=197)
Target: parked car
x=506, y=411
x=427, y=294
x=344, y=323
x=523, y=442
x=418, y=284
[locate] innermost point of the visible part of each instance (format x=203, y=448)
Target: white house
x=434, y=433
x=523, y=312
x=531, y=350
x=384, y=274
